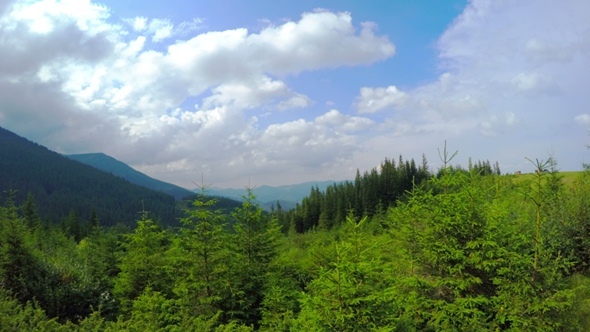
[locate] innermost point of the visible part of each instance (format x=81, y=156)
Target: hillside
x=111, y=165
x=60, y=185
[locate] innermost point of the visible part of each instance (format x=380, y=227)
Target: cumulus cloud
x=176, y=100
x=511, y=71
x=139, y=23
x=312, y=143
x=583, y=119
x=161, y=29
x=344, y=123
x=91, y=84
x=534, y=83
x=372, y=100
x=296, y=101
x=496, y=124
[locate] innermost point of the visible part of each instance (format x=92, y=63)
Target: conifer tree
x=144, y=263
x=254, y=246
x=20, y=271
x=29, y=211
x=350, y=292
x=200, y=255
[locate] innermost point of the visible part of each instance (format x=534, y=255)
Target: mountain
x=111, y=165
x=60, y=185
x=287, y=195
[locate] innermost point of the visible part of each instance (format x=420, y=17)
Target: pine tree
x=200, y=255
x=350, y=292
x=29, y=211
x=71, y=225
x=20, y=271
x=144, y=264
x=254, y=247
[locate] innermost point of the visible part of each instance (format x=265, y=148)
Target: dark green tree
x=29, y=212
x=144, y=264
x=200, y=256
x=255, y=242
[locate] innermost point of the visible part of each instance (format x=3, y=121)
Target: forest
x=63, y=188
x=400, y=248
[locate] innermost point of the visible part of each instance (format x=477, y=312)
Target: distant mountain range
x=111, y=165
x=267, y=196
x=115, y=191
x=286, y=195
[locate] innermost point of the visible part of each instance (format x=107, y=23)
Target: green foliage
x=16, y=317
x=380, y=188
x=351, y=292
x=253, y=247
x=144, y=263
x=280, y=301
x=463, y=251
x=61, y=185
x=481, y=262
x=201, y=253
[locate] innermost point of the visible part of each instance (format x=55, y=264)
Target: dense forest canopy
x=399, y=249
x=60, y=186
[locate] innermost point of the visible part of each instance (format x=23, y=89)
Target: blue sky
x=284, y=92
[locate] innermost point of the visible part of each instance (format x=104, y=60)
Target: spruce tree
x=200, y=256
x=254, y=246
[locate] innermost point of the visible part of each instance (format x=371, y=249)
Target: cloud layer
x=512, y=84
x=175, y=101
x=77, y=82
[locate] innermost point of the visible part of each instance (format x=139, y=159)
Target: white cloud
x=297, y=101
x=139, y=23
x=45, y=16
x=301, y=143
x=188, y=27
x=583, y=119
x=161, y=29
x=75, y=80
x=372, y=100
x=534, y=83
x=496, y=124
x=343, y=123
x=514, y=75
x=320, y=39
x=255, y=93
x=99, y=86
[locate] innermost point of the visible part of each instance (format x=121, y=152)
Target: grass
x=567, y=177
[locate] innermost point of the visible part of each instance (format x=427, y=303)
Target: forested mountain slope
x=60, y=185
x=111, y=165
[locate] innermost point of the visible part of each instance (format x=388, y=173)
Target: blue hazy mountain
x=286, y=195
x=111, y=165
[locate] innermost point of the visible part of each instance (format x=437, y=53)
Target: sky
x=281, y=92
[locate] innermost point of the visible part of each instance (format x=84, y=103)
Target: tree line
x=371, y=193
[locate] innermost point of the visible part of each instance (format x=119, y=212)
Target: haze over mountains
x=60, y=184
x=111, y=165
x=287, y=195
